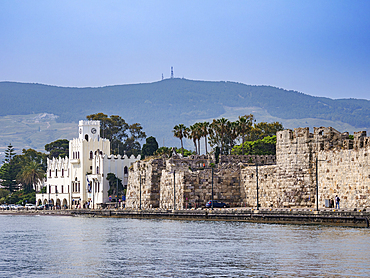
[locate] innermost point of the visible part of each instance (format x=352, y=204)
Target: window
x=91, y=155
x=125, y=170
x=87, y=137
x=62, y=172
x=50, y=173
x=56, y=172
x=97, y=170
x=56, y=189
x=62, y=189
x=78, y=155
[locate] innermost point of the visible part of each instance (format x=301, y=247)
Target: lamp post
x=117, y=192
x=140, y=191
x=257, y=185
x=212, y=189
x=174, y=190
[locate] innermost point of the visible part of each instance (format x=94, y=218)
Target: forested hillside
x=176, y=98
x=159, y=106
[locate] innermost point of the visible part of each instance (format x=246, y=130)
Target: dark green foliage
x=163, y=151
x=149, y=148
x=351, y=137
x=58, y=148
x=9, y=153
x=124, y=138
x=113, y=185
x=8, y=171
x=20, y=197
x=12, y=172
x=265, y=146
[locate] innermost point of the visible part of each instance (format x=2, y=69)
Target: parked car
x=19, y=207
x=46, y=206
x=12, y=206
x=40, y=207
x=30, y=206
x=217, y=204
x=4, y=207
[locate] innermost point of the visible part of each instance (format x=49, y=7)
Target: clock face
x=93, y=130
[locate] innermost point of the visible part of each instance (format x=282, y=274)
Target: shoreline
x=326, y=217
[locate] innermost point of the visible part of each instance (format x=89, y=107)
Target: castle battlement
x=323, y=138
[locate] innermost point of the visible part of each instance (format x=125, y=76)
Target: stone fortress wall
x=287, y=180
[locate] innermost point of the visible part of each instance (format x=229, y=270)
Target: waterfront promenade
x=330, y=217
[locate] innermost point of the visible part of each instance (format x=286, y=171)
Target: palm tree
x=31, y=174
x=181, y=131
x=244, y=125
x=195, y=135
x=204, y=132
x=219, y=132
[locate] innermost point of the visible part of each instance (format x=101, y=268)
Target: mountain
x=159, y=106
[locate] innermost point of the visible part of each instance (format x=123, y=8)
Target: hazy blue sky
x=320, y=47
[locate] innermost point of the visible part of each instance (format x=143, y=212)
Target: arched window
x=87, y=137
x=125, y=170
x=49, y=173
x=56, y=172
x=91, y=155
x=62, y=172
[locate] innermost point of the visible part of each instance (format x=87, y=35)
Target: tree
x=7, y=173
x=113, y=180
x=58, y=148
x=9, y=153
x=195, y=134
x=31, y=175
x=244, y=126
x=265, y=146
x=221, y=134
x=204, y=132
x=123, y=137
x=181, y=131
x=150, y=147
x=263, y=129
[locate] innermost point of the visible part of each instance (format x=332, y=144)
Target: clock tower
x=89, y=130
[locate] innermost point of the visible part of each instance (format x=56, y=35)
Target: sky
x=317, y=47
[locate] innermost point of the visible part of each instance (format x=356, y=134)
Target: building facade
x=80, y=180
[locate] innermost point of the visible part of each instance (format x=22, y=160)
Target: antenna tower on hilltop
x=171, y=72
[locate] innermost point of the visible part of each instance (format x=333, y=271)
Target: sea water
x=64, y=246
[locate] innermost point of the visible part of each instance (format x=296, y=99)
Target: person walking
x=337, y=200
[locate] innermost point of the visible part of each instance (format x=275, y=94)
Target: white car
x=4, y=207
x=30, y=206
x=18, y=207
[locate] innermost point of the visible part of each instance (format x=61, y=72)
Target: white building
x=80, y=180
